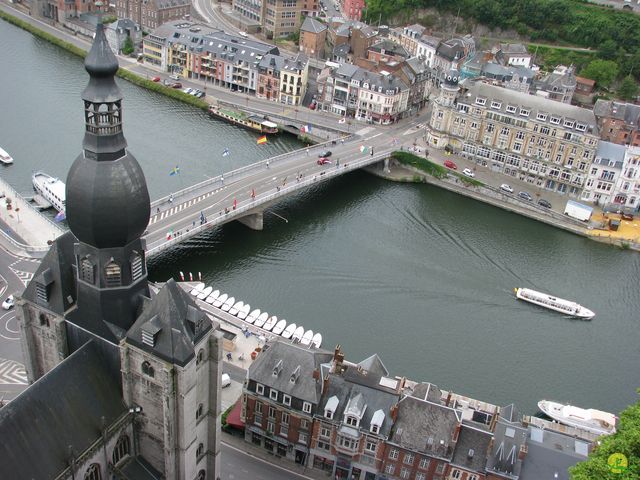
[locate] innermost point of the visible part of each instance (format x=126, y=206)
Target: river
x=420, y=276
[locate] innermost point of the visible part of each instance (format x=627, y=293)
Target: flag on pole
x=262, y=139
x=305, y=128
x=363, y=149
x=174, y=171
x=235, y=203
x=226, y=152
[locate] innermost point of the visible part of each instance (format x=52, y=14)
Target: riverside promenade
x=25, y=231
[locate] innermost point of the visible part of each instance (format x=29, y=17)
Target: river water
x=418, y=275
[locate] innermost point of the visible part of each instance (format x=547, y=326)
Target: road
x=240, y=465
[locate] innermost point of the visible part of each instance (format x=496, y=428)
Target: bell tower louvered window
x=43, y=286
x=113, y=274
x=87, y=271
x=136, y=266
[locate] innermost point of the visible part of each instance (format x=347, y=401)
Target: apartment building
x=269, y=77
x=382, y=97
x=546, y=143
x=619, y=122
x=293, y=80
x=604, y=173
x=150, y=14
x=276, y=18
x=515, y=54
x=558, y=85
x=313, y=35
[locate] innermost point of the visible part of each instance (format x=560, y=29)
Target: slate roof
x=341, y=50
x=513, y=49
x=627, y=112
x=292, y=356
x=509, y=437
x=608, y=151
x=297, y=63
x=427, y=391
x=551, y=457
x=425, y=427
x=504, y=73
x=175, y=320
x=168, y=29
x=471, y=449
x=64, y=407
x=451, y=49
x=534, y=103
x=313, y=26
x=390, y=48
x=358, y=397
x=374, y=365
x=275, y=62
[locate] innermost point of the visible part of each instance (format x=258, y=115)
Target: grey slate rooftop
x=312, y=25
x=610, y=152
x=550, y=454
x=66, y=407
x=627, y=112
x=472, y=448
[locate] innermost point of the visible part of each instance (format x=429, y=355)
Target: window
x=490, y=127
x=273, y=394
x=121, y=450
x=93, y=472
x=408, y=458
x=511, y=109
x=259, y=389
x=286, y=399
x=440, y=468
x=199, y=451
x=504, y=131
x=524, y=112
x=87, y=272
x=44, y=320
x=304, y=424
x=541, y=116
x=147, y=369
x=272, y=412
x=421, y=476
x=424, y=463
x=200, y=356
x=199, y=411
x=555, y=120
x=112, y=274
x=520, y=135
x=136, y=266
x=351, y=421
x=306, y=407
x=375, y=429
x=390, y=469
x=302, y=437
x=284, y=430
x=271, y=427
x=258, y=408
x=370, y=446
x=284, y=419
x=496, y=105
x=394, y=453
x=456, y=474
x=325, y=432
x=481, y=101
x=405, y=472
x=568, y=123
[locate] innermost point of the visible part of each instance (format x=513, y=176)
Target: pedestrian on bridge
x=307, y=152
x=267, y=163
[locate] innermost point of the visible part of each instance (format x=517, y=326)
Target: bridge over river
x=245, y=193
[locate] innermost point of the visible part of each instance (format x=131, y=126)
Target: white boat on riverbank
x=253, y=316
x=270, y=323
x=261, y=319
x=213, y=297
x=244, y=311
x=279, y=328
x=306, y=338
x=205, y=293
x=197, y=290
x=229, y=302
x=5, y=157
x=316, y=341
x=594, y=421
x=553, y=303
x=220, y=300
x=288, y=332
x=51, y=189
x=236, y=308
x=297, y=335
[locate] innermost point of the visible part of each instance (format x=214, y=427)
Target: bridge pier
x=254, y=221
x=386, y=165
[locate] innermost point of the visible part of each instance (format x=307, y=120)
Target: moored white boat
x=297, y=335
x=5, y=157
x=226, y=306
x=594, y=421
x=554, y=303
x=306, y=338
x=212, y=298
x=52, y=190
x=288, y=332
x=205, y=293
x=253, y=316
x=270, y=323
x=242, y=314
x=261, y=319
x=220, y=300
x=197, y=289
x=279, y=328
x=316, y=341
x=236, y=308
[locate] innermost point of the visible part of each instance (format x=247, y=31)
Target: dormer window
x=569, y=123
x=511, y=109
x=259, y=389
x=278, y=368
x=542, y=117
x=306, y=407
x=555, y=120
x=481, y=101
x=375, y=429
x=273, y=394
x=524, y=112
x=330, y=407
x=496, y=105
x=43, y=284
x=352, y=421
x=295, y=375
x=581, y=127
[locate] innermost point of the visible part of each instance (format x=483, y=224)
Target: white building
x=605, y=171
x=628, y=185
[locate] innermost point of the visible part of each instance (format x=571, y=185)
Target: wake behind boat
x=553, y=303
x=51, y=189
x=5, y=157
x=594, y=421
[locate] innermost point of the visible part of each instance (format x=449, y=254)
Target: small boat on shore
x=226, y=306
x=253, y=316
x=553, y=303
x=5, y=157
x=279, y=328
x=205, y=293
x=236, y=308
x=51, y=189
x=594, y=421
x=306, y=338
x=242, y=314
x=212, y=298
x=316, y=341
x=288, y=332
x=220, y=300
x=256, y=123
x=261, y=319
x=297, y=335
x=197, y=289
x=270, y=323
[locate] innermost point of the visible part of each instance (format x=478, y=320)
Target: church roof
x=170, y=325
x=67, y=407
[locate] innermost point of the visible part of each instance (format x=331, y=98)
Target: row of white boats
x=256, y=317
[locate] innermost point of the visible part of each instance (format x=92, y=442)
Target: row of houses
x=213, y=56
x=356, y=421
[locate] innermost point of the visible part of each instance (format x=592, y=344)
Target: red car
x=450, y=164
x=323, y=161
x=155, y=79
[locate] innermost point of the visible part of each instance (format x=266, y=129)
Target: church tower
x=444, y=109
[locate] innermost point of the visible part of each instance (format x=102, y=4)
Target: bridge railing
x=349, y=164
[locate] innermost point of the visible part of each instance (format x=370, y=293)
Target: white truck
x=578, y=210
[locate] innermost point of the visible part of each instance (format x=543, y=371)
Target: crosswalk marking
x=25, y=277
x=12, y=373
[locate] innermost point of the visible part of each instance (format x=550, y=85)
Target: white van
x=243, y=34
x=225, y=380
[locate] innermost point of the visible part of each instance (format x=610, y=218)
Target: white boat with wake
x=5, y=157
x=594, y=421
x=51, y=189
x=554, y=303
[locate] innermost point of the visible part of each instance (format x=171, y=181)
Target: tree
x=628, y=88
x=626, y=441
x=608, y=50
x=127, y=48
x=602, y=71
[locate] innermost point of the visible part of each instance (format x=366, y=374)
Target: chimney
x=316, y=375
x=394, y=412
x=448, y=399
x=456, y=433
x=325, y=383
x=494, y=419
x=522, y=453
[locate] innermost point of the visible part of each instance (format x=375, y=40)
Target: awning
x=233, y=419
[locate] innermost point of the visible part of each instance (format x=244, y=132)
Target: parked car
x=506, y=188
x=326, y=153
x=9, y=302
x=225, y=380
x=323, y=161
x=155, y=79
x=468, y=172
x=525, y=196
x=188, y=91
x=543, y=203
x=198, y=93
x=450, y=164
x=176, y=85
x=175, y=76
x=312, y=105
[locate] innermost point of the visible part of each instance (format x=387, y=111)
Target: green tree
x=602, y=71
x=127, y=48
x=625, y=441
x=628, y=88
x=608, y=50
